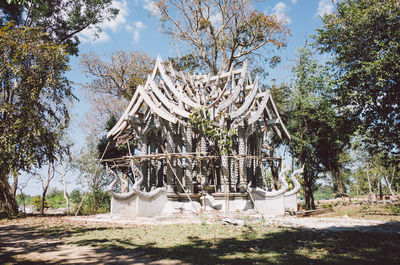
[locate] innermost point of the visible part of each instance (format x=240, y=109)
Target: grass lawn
x=255, y=243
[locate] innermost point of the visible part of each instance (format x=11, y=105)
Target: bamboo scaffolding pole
x=180, y=183
x=197, y=156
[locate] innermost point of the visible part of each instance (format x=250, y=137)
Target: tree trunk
x=49, y=177
x=66, y=194
x=338, y=186
x=15, y=184
x=6, y=194
x=389, y=185
x=380, y=189
x=308, y=192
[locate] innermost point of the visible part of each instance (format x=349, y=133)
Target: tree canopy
x=61, y=19
x=319, y=134
x=363, y=38
x=221, y=33
x=33, y=99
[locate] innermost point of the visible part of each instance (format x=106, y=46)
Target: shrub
x=37, y=201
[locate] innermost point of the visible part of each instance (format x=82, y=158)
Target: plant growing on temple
x=363, y=39
x=222, y=138
x=34, y=96
x=221, y=34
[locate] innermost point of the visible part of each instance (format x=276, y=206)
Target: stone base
x=164, y=203
x=269, y=206
x=136, y=206
x=291, y=203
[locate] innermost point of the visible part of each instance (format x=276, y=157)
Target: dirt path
x=19, y=245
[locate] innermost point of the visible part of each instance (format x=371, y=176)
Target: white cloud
x=293, y=1
x=136, y=29
x=325, y=7
x=152, y=7
x=88, y=35
x=216, y=19
x=279, y=10
x=116, y=23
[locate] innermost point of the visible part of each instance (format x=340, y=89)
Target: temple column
x=170, y=148
x=242, y=151
x=153, y=162
x=143, y=146
x=204, y=168
x=188, y=161
x=178, y=161
x=224, y=173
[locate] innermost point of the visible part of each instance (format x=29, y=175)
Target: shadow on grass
x=360, y=245
x=285, y=246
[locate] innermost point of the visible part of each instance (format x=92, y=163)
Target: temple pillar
x=153, y=162
x=189, y=161
x=242, y=151
x=224, y=173
x=178, y=161
x=204, y=166
x=143, y=146
x=170, y=148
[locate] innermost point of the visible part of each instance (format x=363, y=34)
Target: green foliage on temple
x=220, y=137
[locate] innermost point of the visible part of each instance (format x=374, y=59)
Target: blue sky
x=137, y=28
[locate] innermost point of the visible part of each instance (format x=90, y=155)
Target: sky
x=137, y=28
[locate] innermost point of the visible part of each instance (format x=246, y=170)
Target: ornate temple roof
x=174, y=95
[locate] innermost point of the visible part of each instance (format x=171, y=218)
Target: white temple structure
x=177, y=167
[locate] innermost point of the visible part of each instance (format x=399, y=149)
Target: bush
x=75, y=196
x=37, y=201
x=23, y=198
x=97, y=201
x=56, y=199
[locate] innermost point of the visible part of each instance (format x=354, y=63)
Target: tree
x=61, y=19
x=319, y=134
x=33, y=112
x=113, y=83
x=363, y=38
x=92, y=176
x=33, y=96
x=219, y=33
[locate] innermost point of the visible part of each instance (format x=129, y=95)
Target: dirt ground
x=22, y=241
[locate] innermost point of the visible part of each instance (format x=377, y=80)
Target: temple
x=179, y=166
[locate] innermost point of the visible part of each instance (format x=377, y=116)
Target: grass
x=380, y=212
x=250, y=244
x=215, y=243
x=254, y=243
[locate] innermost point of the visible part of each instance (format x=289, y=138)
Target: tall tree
x=33, y=95
x=33, y=108
x=363, y=37
x=221, y=33
x=319, y=134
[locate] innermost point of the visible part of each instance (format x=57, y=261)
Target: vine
x=221, y=137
